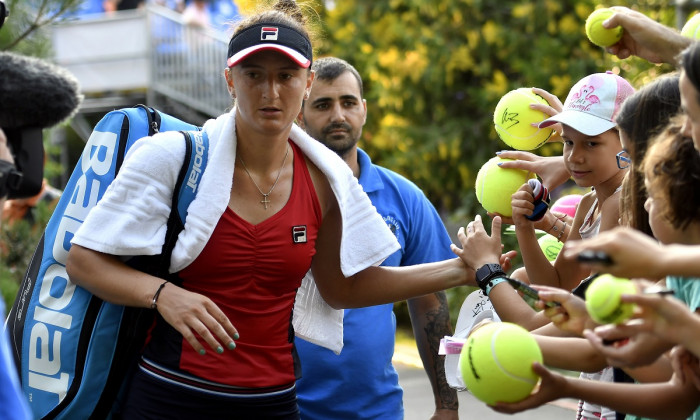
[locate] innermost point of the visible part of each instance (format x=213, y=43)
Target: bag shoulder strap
x=193, y=165
x=132, y=115
x=153, y=117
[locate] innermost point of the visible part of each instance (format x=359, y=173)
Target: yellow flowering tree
x=435, y=69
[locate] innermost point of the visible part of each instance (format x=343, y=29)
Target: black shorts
x=152, y=398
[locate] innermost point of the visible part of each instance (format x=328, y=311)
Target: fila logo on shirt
x=269, y=33
x=299, y=234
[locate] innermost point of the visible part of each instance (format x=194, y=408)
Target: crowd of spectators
x=213, y=13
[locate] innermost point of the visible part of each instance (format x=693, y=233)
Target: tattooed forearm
x=431, y=322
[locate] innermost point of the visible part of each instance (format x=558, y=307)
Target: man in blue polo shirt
x=361, y=382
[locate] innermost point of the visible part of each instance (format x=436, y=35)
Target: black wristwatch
x=486, y=273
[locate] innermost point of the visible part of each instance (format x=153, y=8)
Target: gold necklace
x=266, y=201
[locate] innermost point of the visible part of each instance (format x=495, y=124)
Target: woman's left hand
x=196, y=317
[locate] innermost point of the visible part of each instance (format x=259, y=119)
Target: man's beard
x=341, y=148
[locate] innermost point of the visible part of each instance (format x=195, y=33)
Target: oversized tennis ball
x=603, y=299
x=550, y=246
x=494, y=186
x=496, y=362
x=567, y=204
x=690, y=29
x=599, y=35
x=513, y=118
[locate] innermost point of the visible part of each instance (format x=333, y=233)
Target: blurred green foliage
x=24, y=30
x=18, y=242
x=435, y=69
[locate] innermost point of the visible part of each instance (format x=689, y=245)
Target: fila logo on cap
x=269, y=33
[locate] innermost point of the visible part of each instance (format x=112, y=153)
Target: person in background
x=197, y=14
x=591, y=142
x=361, y=382
x=632, y=252
x=13, y=405
x=111, y=6
x=627, y=248
x=176, y=5
x=671, y=170
x=645, y=38
x=26, y=208
x=643, y=116
x=671, y=175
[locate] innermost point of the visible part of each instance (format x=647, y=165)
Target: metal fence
x=187, y=62
x=150, y=53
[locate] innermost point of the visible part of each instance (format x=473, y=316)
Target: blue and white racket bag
x=73, y=350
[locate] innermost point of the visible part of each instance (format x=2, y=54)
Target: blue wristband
x=492, y=283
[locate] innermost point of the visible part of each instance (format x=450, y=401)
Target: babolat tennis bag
x=73, y=350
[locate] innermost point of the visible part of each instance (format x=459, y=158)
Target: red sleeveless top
x=252, y=272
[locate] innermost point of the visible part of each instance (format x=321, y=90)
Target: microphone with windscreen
x=34, y=95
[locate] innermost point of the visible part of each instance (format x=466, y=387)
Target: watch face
x=483, y=274
x=489, y=268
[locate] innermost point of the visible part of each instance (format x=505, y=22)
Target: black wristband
x=486, y=273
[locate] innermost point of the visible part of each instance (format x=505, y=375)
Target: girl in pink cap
x=591, y=144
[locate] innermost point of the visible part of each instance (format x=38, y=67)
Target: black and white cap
x=267, y=36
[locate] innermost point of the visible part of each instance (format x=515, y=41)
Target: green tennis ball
x=496, y=362
x=603, y=299
x=513, y=118
x=690, y=29
x=494, y=186
x=597, y=33
x=550, y=246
